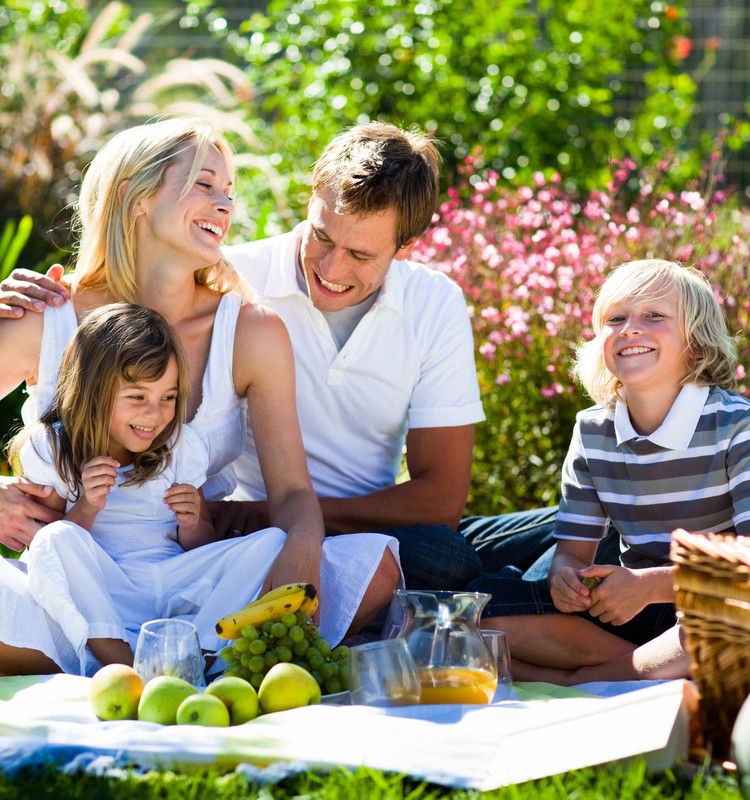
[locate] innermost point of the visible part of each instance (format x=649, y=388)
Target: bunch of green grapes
x=291, y=638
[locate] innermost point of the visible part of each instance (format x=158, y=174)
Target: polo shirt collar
x=679, y=425
x=392, y=291
x=282, y=277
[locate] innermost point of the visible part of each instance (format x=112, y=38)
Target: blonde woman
x=155, y=206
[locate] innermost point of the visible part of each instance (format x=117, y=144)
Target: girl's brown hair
x=118, y=342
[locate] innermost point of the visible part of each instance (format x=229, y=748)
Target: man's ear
x=405, y=250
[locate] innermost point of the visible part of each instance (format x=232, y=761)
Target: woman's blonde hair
x=712, y=349
x=118, y=342
x=129, y=168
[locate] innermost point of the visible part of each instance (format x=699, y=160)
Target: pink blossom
x=530, y=259
x=488, y=350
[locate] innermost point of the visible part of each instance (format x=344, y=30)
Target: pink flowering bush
x=530, y=260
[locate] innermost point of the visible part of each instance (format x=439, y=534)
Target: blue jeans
x=435, y=557
x=516, y=545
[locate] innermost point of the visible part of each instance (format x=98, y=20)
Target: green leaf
x=12, y=242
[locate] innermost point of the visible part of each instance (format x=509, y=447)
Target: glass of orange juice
x=383, y=673
x=497, y=641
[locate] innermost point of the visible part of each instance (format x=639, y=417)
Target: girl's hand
x=621, y=594
x=97, y=477
x=185, y=501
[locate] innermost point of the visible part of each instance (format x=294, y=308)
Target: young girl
x=124, y=472
x=667, y=447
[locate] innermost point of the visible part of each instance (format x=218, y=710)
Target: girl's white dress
x=130, y=568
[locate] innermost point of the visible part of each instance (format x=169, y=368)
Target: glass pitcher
x=443, y=635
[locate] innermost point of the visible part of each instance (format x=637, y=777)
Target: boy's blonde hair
x=129, y=168
x=114, y=343
x=712, y=349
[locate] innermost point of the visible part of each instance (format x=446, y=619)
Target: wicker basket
x=712, y=595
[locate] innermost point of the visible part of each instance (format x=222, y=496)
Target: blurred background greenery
x=557, y=88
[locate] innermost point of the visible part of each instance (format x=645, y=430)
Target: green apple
x=162, y=697
x=238, y=695
x=203, y=709
x=115, y=691
x=287, y=686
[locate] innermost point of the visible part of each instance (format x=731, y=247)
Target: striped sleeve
x=738, y=474
x=580, y=515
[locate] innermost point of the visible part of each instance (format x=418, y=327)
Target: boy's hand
x=185, y=501
x=98, y=476
x=568, y=591
x=621, y=594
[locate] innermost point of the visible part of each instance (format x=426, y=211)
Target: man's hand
x=238, y=517
x=22, y=516
x=25, y=290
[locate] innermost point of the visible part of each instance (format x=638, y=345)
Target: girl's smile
x=142, y=410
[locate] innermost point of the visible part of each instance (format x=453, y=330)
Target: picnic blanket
x=541, y=730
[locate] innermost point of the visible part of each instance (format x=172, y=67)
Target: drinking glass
x=383, y=673
x=169, y=647
x=497, y=642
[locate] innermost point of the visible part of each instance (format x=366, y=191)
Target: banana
x=279, y=591
x=271, y=606
x=308, y=605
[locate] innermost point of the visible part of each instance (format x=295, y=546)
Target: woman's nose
x=225, y=205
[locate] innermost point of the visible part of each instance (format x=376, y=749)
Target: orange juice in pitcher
x=456, y=685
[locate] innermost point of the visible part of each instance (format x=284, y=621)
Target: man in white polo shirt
x=384, y=356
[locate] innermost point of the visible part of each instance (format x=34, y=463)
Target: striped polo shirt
x=693, y=472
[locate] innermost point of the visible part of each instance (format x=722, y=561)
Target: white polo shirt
x=408, y=364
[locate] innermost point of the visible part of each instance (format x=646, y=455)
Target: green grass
x=633, y=782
